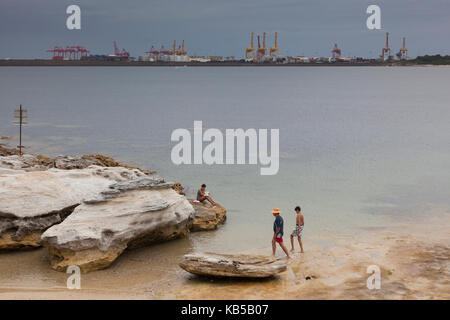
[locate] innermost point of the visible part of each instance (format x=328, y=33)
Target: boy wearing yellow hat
x=278, y=232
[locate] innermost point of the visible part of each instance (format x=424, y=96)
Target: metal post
x=20, y=118
x=20, y=130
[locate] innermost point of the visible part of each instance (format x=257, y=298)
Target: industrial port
x=256, y=53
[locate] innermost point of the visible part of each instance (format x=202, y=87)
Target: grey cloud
x=209, y=27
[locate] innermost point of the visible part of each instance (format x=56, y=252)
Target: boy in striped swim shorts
x=298, y=230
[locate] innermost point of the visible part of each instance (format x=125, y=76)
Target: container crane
x=180, y=51
x=173, y=51
x=83, y=52
x=403, y=53
x=275, y=46
x=163, y=50
x=250, y=50
x=123, y=55
x=69, y=53
x=153, y=51
x=386, y=51
x=336, y=52
x=262, y=50
x=58, y=53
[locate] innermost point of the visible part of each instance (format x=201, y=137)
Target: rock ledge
x=207, y=217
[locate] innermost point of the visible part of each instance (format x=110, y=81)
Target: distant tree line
x=435, y=59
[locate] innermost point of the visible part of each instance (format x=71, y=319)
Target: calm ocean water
x=359, y=147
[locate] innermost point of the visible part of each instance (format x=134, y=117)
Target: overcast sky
x=222, y=27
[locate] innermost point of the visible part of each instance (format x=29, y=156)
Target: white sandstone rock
x=232, y=265
x=95, y=234
x=32, y=201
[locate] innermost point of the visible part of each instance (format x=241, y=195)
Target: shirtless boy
x=298, y=231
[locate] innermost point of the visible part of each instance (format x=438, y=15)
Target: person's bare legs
x=210, y=200
x=284, y=249
x=274, y=247
x=292, y=243
x=301, y=244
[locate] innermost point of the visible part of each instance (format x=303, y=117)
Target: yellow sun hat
x=276, y=210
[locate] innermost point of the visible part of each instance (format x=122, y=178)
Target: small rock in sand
x=232, y=265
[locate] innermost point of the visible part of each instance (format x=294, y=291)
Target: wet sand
x=414, y=261
x=415, y=264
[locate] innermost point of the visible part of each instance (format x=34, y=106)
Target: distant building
x=322, y=60
x=146, y=58
x=215, y=58
x=173, y=58
x=281, y=60
x=347, y=59
x=107, y=58
x=199, y=59
x=290, y=59
x=302, y=59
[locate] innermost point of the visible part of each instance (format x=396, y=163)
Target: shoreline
x=412, y=254
x=413, y=263
x=79, y=63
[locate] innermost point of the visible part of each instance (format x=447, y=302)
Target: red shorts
x=279, y=240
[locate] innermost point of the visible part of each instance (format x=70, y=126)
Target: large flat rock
x=88, y=210
x=95, y=234
x=232, y=265
x=207, y=217
x=33, y=201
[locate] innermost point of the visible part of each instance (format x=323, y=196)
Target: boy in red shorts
x=278, y=232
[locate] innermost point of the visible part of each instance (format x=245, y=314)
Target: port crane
x=177, y=51
x=336, y=52
x=82, y=51
x=174, y=48
x=153, y=51
x=164, y=50
x=68, y=53
x=58, y=53
x=386, y=51
x=181, y=51
x=274, y=49
x=262, y=50
x=250, y=50
x=122, y=54
x=403, y=53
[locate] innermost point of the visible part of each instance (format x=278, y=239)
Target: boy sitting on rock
x=203, y=195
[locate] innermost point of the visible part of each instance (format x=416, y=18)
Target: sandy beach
x=413, y=258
